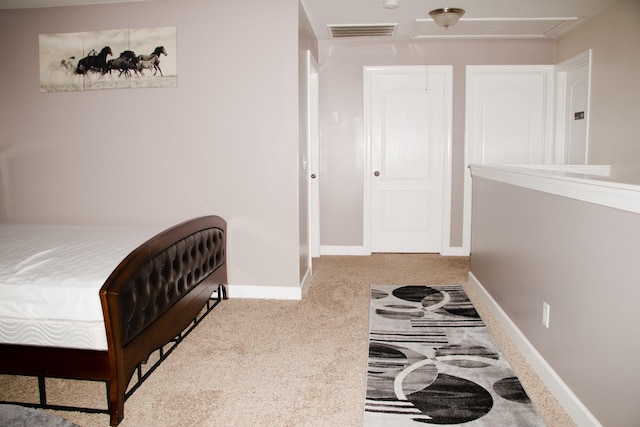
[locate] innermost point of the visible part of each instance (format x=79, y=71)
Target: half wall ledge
x=588, y=183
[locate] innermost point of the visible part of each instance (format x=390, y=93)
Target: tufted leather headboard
x=166, y=278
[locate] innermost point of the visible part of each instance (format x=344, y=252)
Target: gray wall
x=225, y=141
x=529, y=247
x=614, y=37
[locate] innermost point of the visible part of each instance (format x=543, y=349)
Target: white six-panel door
x=408, y=113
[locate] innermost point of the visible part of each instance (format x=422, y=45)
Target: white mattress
x=50, y=277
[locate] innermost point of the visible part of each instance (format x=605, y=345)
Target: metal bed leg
x=42, y=391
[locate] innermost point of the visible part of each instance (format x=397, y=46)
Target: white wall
x=225, y=141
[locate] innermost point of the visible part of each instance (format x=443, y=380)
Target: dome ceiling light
x=446, y=17
x=390, y=4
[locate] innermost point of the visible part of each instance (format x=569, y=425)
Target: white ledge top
x=588, y=183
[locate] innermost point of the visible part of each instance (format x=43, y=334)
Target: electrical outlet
x=545, y=314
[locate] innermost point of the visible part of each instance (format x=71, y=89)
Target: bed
x=93, y=303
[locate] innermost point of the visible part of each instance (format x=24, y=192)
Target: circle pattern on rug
x=459, y=355
x=415, y=293
x=452, y=400
x=511, y=389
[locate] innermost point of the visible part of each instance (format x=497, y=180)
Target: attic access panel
x=494, y=28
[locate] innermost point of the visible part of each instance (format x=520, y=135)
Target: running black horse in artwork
x=124, y=63
x=96, y=62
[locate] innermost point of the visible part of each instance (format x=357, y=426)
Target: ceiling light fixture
x=447, y=16
x=390, y=4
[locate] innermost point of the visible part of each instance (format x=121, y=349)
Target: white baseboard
x=455, y=251
x=271, y=292
x=343, y=250
x=574, y=407
x=360, y=251
x=265, y=292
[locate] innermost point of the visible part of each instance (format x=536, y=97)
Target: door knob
x=313, y=176
x=376, y=173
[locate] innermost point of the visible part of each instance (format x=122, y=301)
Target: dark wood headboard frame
x=153, y=295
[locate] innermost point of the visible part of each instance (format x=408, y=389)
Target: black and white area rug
x=433, y=361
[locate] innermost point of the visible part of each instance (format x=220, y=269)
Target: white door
x=409, y=127
x=573, y=76
x=508, y=120
x=509, y=114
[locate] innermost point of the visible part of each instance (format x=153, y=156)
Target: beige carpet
x=282, y=363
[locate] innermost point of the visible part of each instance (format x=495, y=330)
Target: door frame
x=582, y=60
x=368, y=72
x=313, y=87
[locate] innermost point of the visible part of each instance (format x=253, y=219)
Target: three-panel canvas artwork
x=110, y=59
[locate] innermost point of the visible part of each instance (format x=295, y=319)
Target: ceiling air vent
x=368, y=30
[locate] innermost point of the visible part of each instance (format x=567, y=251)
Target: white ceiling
x=483, y=18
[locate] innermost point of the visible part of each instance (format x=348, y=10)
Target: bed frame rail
x=142, y=371
x=155, y=297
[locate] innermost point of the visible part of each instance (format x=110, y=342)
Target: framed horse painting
x=110, y=59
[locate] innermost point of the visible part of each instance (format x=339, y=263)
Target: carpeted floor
x=281, y=363
x=432, y=361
